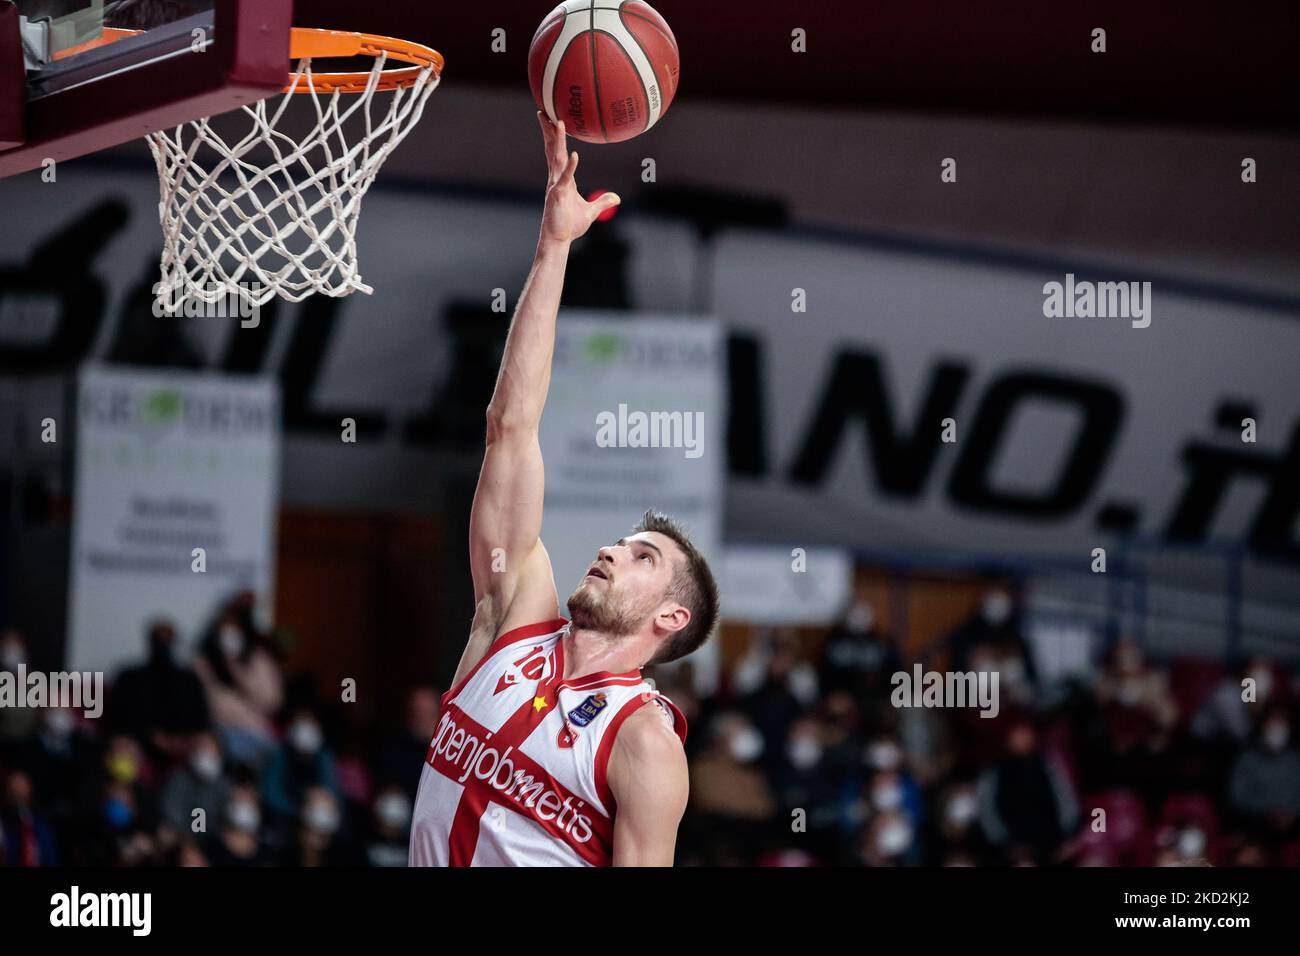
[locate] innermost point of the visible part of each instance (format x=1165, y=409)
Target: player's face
x=626, y=583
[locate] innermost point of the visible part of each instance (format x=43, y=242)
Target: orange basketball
x=609, y=70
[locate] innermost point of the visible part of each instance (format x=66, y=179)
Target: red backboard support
x=137, y=86
x=13, y=102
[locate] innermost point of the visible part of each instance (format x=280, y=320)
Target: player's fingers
x=603, y=202
x=571, y=169
x=560, y=147
x=548, y=140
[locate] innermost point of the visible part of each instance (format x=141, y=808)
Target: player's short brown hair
x=692, y=586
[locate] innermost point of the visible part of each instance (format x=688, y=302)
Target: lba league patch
x=587, y=711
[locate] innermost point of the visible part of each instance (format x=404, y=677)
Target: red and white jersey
x=515, y=774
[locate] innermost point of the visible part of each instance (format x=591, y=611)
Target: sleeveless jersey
x=515, y=773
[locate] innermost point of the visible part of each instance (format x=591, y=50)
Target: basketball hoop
x=271, y=213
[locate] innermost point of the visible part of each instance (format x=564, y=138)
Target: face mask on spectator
x=884, y=755
x=231, y=639
x=886, y=796
x=996, y=608
x=393, y=810
x=860, y=618
x=121, y=767
x=746, y=744
x=206, y=764
x=118, y=813
x=1191, y=843
x=1276, y=735
x=321, y=817
x=244, y=815
x=305, y=736
x=894, y=838
x=59, y=723
x=804, y=752
x=961, y=809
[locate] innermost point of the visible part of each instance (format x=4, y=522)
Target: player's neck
x=588, y=651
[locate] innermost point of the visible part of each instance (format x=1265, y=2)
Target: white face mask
x=804, y=752
x=1263, y=683
x=996, y=608
x=961, y=809
x=746, y=744
x=244, y=815
x=1191, y=843
x=321, y=817
x=894, y=838
x=887, y=796
x=393, y=810
x=884, y=756
x=1276, y=736
x=305, y=736
x=206, y=765
x=60, y=723
x=232, y=640
x=860, y=618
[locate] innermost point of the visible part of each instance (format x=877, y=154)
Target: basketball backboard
x=98, y=73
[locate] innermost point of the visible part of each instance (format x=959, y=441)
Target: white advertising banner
x=778, y=586
x=635, y=420
x=168, y=463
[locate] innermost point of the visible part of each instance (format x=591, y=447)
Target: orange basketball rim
x=310, y=43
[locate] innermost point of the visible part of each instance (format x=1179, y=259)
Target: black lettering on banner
x=746, y=415
x=1102, y=411
x=855, y=391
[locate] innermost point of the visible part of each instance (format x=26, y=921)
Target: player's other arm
x=648, y=776
x=513, y=584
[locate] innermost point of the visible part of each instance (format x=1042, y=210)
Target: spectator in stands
x=402, y=757
x=199, y=785
x=390, y=834
x=858, y=658
x=320, y=837
x=301, y=763
x=159, y=702
x=16, y=723
x=730, y=796
x=1027, y=804
x=1135, y=698
x=1265, y=783
x=244, y=685
x=240, y=842
x=26, y=839
x=1227, y=715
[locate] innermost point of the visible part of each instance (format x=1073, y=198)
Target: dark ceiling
x=1186, y=63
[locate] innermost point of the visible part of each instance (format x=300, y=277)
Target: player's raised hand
x=567, y=215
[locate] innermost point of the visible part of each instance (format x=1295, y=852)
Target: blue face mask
x=118, y=813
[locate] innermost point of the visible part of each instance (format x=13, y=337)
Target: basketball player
x=552, y=749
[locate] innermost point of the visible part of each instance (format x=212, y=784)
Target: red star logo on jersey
x=566, y=737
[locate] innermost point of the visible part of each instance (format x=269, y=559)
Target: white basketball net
x=237, y=224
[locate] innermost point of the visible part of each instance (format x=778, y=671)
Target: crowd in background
x=798, y=757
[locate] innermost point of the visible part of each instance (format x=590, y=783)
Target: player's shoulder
x=651, y=732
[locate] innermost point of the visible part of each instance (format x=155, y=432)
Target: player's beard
x=604, y=611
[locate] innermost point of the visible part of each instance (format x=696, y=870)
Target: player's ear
x=673, y=617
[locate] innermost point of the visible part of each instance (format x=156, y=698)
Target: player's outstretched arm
x=649, y=779
x=512, y=574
